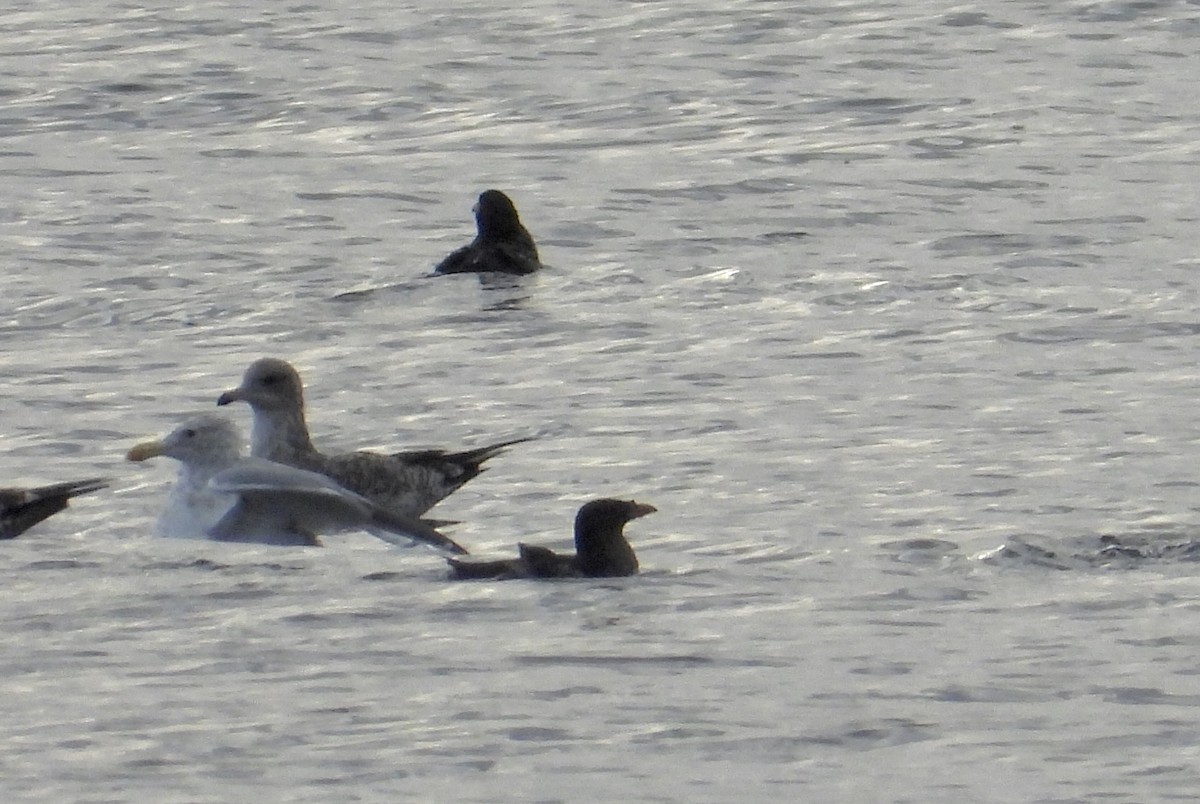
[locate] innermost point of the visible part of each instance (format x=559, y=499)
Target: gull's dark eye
x=189, y=433
x=272, y=379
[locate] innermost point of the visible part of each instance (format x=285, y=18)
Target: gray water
x=889, y=308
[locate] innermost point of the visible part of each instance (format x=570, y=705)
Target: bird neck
x=194, y=475
x=603, y=550
x=280, y=435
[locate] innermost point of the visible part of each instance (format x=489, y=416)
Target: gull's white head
x=206, y=439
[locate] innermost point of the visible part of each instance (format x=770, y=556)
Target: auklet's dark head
x=495, y=215
x=601, y=549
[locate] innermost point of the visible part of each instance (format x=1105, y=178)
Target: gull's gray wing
x=290, y=506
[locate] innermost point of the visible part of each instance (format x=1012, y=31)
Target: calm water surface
x=890, y=309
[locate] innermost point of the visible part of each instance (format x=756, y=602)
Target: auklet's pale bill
x=601, y=549
x=501, y=245
x=223, y=496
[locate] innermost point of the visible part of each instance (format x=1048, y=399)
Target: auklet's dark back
x=502, y=244
x=601, y=549
x=21, y=509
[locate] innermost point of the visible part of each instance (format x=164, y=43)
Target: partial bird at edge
x=22, y=508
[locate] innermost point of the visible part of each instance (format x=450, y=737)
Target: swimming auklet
x=223, y=496
x=407, y=483
x=502, y=244
x=601, y=549
x=21, y=509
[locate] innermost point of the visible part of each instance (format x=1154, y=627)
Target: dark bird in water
x=601, y=549
x=407, y=483
x=502, y=244
x=21, y=509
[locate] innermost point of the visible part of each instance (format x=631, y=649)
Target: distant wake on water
x=1107, y=550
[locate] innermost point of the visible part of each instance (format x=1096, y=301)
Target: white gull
x=221, y=495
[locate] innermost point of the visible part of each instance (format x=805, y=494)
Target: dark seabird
x=221, y=495
x=407, y=483
x=601, y=549
x=502, y=244
x=21, y=509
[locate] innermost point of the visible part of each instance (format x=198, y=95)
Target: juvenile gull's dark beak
x=232, y=395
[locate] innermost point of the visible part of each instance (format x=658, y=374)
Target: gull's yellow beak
x=145, y=451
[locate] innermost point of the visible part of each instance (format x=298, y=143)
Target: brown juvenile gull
x=408, y=483
x=601, y=549
x=501, y=245
x=223, y=496
x=21, y=509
